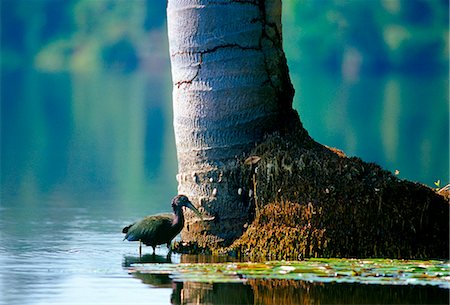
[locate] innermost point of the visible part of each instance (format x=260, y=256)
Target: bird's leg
x=169, y=253
x=140, y=248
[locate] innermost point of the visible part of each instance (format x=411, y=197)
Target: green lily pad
x=366, y=271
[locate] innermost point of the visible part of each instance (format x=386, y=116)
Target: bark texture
x=231, y=87
x=314, y=201
x=232, y=99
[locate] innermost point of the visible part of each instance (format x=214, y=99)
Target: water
x=70, y=255
x=67, y=255
x=397, y=121
x=83, y=155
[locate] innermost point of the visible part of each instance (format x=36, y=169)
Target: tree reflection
x=290, y=292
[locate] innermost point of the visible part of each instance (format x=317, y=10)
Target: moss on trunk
x=313, y=201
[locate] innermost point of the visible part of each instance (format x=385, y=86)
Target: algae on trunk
x=319, y=203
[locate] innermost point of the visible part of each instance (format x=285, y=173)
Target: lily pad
x=366, y=271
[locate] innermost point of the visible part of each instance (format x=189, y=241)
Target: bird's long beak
x=192, y=207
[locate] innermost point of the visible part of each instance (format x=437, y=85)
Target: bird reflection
x=162, y=281
x=152, y=279
x=128, y=261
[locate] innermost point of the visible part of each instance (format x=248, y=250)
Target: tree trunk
x=231, y=88
x=233, y=98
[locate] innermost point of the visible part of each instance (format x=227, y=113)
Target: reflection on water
x=103, y=135
x=296, y=292
x=292, y=292
x=128, y=261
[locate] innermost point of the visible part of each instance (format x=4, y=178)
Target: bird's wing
x=149, y=226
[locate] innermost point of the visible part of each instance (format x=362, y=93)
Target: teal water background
x=87, y=151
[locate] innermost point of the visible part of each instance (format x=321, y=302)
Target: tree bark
x=232, y=99
x=231, y=88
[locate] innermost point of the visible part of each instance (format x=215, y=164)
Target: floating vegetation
x=362, y=271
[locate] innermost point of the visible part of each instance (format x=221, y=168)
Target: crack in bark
x=188, y=82
x=265, y=35
x=284, y=89
x=208, y=51
x=229, y=45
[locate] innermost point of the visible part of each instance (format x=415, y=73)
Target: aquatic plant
x=367, y=271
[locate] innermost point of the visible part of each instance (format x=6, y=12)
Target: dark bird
x=162, y=228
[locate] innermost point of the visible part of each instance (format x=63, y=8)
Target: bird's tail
x=125, y=230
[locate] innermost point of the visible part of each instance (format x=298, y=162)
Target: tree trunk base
x=313, y=201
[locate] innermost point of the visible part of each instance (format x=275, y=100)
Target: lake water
x=83, y=155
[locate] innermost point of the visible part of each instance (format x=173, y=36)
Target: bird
x=160, y=229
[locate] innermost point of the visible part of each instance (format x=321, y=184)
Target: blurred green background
x=86, y=93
